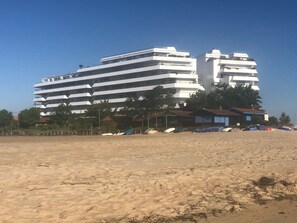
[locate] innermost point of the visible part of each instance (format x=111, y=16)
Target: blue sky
x=43, y=38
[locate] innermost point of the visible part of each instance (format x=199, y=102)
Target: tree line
x=157, y=100
x=225, y=97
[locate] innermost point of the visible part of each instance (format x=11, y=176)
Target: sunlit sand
x=186, y=177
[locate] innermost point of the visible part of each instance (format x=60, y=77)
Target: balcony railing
x=87, y=86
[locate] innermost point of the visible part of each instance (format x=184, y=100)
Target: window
x=219, y=119
x=248, y=118
x=198, y=119
x=207, y=119
x=203, y=119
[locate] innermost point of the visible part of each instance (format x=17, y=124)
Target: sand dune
x=184, y=177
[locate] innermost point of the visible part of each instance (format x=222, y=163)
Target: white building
x=118, y=77
x=234, y=69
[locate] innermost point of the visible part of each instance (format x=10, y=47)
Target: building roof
x=179, y=113
x=168, y=49
x=247, y=111
x=182, y=113
x=220, y=112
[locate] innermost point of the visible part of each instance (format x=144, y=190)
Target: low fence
x=46, y=133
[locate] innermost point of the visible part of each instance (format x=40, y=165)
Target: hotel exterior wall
x=232, y=69
x=123, y=75
x=119, y=77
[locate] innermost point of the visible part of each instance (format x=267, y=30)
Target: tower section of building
x=119, y=77
x=233, y=69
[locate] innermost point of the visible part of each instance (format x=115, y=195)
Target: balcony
x=45, y=113
x=114, y=100
x=256, y=88
x=98, y=67
x=77, y=103
x=39, y=99
x=176, y=67
x=78, y=111
x=239, y=70
x=148, y=78
x=146, y=88
x=56, y=97
x=84, y=86
x=136, y=60
x=244, y=78
x=80, y=95
x=173, y=59
x=238, y=62
x=184, y=93
x=39, y=106
x=54, y=105
x=168, y=66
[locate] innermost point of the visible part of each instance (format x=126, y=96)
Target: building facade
x=216, y=117
x=249, y=115
x=118, y=77
x=233, y=69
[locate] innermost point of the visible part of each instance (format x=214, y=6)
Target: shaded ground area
x=184, y=177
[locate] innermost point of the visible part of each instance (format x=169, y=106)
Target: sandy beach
x=185, y=177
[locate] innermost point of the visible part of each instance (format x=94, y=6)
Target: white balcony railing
x=256, y=88
x=45, y=113
x=39, y=106
x=113, y=100
x=84, y=86
x=96, y=76
x=80, y=95
x=78, y=111
x=54, y=105
x=146, y=88
x=173, y=60
x=179, y=94
x=238, y=62
x=39, y=99
x=56, y=97
x=239, y=70
x=244, y=78
x=77, y=103
x=149, y=78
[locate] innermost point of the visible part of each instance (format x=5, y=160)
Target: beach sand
x=185, y=177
